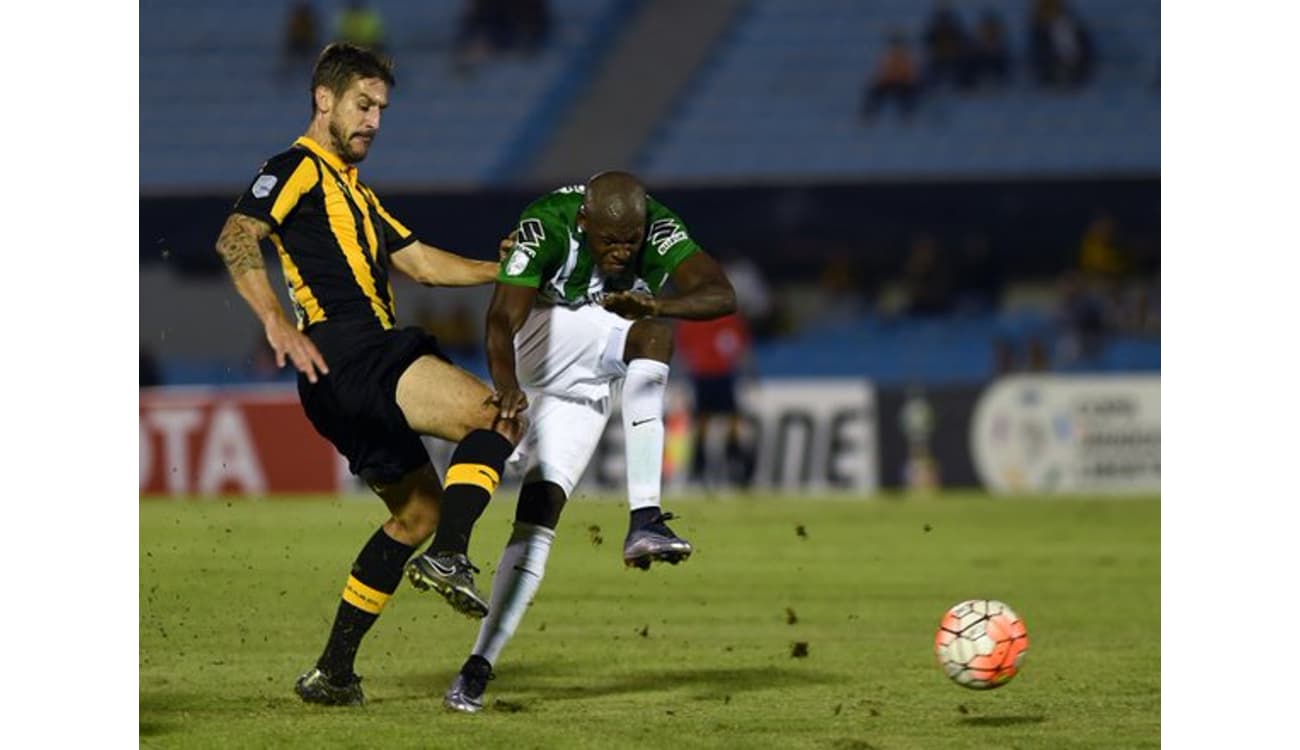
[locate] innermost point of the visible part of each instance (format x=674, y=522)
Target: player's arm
x=433, y=266
x=429, y=265
x=506, y=314
x=239, y=248
x=701, y=291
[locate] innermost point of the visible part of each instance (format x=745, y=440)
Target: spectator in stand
x=493, y=27
x=484, y=29
x=989, y=59
x=1060, y=46
x=532, y=20
x=1101, y=256
x=947, y=49
x=1116, y=274
x=1082, y=322
x=1100, y=297
x=895, y=78
x=716, y=352
x=928, y=279
x=361, y=25
x=301, y=42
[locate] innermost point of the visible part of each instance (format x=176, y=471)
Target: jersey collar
x=348, y=171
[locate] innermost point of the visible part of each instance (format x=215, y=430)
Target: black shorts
x=715, y=394
x=355, y=405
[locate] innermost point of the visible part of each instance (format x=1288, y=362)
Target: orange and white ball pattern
x=981, y=643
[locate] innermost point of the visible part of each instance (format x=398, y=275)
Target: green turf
x=236, y=599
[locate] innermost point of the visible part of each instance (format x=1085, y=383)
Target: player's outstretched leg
x=648, y=350
x=475, y=471
x=374, y=578
x=440, y=399
x=518, y=577
x=375, y=575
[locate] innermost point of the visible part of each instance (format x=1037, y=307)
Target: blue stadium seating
x=780, y=98
x=951, y=350
x=947, y=350
x=214, y=100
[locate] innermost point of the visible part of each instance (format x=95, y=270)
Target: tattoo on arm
x=238, y=246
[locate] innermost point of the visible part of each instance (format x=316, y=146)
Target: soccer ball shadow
x=1000, y=721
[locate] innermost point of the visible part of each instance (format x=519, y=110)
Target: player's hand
x=509, y=402
x=632, y=305
x=507, y=244
x=289, y=343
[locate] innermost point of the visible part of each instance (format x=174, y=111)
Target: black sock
x=375, y=575
x=476, y=663
x=735, y=460
x=699, y=461
x=642, y=517
x=473, y=476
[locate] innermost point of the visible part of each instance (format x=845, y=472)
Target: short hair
x=616, y=197
x=340, y=63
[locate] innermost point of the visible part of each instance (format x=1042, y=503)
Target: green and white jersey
x=551, y=252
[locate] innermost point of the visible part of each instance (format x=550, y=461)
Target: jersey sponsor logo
x=531, y=233
x=262, y=187
x=527, y=238
x=664, y=234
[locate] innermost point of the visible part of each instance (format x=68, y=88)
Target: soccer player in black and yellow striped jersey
x=369, y=386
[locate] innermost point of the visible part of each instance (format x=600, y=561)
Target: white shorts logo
x=518, y=262
x=262, y=187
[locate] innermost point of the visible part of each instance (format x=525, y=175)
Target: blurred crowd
x=949, y=54
x=486, y=30
x=1109, y=286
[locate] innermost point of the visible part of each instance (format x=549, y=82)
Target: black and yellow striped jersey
x=331, y=232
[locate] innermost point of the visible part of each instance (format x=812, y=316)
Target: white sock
x=643, y=430
x=519, y=574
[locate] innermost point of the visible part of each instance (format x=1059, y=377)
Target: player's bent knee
x=511, y=429
x=649, y=339
x=540, y=504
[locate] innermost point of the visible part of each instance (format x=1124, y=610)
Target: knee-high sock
x=375, y=575
x=643, y=430
x=472, y=477
x=519, y=574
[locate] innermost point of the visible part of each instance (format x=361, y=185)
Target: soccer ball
x=981, y=643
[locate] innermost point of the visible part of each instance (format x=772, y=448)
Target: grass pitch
x=236, y=599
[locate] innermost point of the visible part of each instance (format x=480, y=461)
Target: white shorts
x=571, y=352
x=570, y=363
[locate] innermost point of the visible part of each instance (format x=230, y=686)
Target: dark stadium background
x=1007, y=227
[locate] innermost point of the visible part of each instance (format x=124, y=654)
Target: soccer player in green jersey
x=577, y=312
